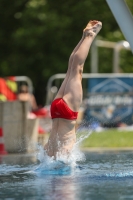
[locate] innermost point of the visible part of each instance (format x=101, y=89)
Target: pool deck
x=102, y=149
x=27, y=158
x=89, y=149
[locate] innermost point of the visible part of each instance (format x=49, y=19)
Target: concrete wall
x=20, y=133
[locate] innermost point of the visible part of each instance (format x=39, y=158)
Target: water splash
x=49, y=166
x=64, y=164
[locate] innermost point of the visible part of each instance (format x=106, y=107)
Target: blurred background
x=37, y=37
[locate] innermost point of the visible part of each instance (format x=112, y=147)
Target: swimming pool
x=103, y=175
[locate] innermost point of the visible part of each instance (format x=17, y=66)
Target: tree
x=37, y=37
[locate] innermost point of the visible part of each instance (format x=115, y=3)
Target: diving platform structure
x=123, y=17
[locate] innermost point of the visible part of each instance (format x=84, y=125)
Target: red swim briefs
x=60, y=109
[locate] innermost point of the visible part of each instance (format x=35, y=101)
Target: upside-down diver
x=65, y=106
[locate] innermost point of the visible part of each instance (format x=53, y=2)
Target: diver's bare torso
x=62, y=137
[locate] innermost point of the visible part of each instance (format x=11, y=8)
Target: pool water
x=97, y=175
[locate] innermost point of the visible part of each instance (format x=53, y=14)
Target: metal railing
x=116, y=46
x=52, y=93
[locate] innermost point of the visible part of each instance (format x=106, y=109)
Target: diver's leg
x=60, y=93
x=63, y=85
x=90, y=32
x=73, y=88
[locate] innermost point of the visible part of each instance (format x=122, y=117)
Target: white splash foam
x=49, y=163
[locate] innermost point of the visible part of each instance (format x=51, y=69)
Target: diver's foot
x=92, y=28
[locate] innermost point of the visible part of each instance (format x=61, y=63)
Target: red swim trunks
x=60, y=109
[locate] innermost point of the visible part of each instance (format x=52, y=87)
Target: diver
x=65, y=106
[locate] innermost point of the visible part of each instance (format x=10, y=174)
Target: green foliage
x=37, y=37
